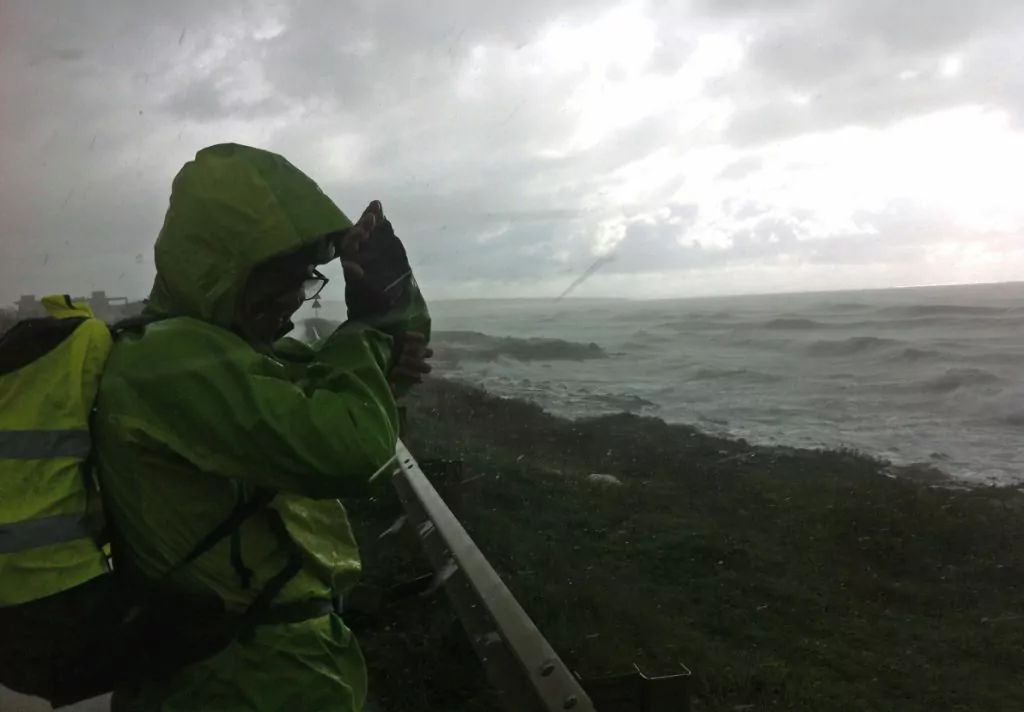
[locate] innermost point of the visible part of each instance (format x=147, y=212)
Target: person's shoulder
x=177, y=337
x=186, y=327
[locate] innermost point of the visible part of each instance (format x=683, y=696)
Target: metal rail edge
x=523, y=668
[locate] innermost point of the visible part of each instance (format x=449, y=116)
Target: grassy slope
x=785, y=579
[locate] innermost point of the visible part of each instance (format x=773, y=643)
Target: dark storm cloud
x=365, y=59
x=441, y=110
x=519, y=253
x=457, y=169
x=653, y=245
x=209, y=100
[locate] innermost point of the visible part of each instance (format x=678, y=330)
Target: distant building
x=109, y=309
x=29, y=307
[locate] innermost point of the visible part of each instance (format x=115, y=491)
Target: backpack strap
x=242, y=511
x=261, y=610
x=31, y=339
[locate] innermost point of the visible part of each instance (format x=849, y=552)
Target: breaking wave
x=851, y=346
x=913, y=355
x=476, y=346
x=644, y=338
x=957, y=378
x=732, y=374
x=793, y=324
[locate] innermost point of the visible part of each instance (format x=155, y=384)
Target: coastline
x=783, y=578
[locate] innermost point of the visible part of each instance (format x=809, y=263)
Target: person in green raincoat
x=205, y=409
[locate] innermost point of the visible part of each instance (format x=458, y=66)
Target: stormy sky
x=692, y=146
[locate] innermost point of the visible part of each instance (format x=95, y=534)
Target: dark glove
x=409, y=356
x=378, y=275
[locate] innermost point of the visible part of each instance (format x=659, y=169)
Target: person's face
x=274, y=294
x=278, y=288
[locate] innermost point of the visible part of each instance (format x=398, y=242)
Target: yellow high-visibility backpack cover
x=50, y=371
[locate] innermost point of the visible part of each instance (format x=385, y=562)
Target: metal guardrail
x=523, y=668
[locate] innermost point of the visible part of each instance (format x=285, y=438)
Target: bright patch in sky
x=965, y=162
x=616, y=89
x=952, y=66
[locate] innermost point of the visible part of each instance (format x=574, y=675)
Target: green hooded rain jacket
x=191, y=418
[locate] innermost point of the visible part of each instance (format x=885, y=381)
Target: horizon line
x=727, y=295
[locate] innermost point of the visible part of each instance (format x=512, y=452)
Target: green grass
x=785, y=579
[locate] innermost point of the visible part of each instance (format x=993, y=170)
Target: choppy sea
x=932, y=375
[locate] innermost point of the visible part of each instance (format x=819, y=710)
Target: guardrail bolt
x=546, y=669
x=570, y=702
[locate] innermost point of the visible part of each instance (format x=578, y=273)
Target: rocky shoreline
x=785, y=579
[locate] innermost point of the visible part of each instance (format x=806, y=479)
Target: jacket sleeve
x=409, y=314
x=229, y=410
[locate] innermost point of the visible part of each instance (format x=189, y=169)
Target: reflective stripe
x=33, y=533
x=43, y=444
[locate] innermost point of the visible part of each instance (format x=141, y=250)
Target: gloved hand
x=409, y=360
x=377, y=269
x=349, y=243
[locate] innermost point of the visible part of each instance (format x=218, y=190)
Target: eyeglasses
x=313, y=285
